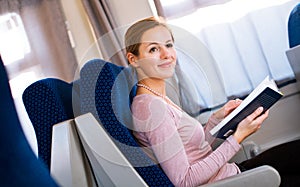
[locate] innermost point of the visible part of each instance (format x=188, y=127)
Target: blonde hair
x=134, y=33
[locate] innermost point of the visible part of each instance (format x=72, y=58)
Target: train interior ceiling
x=247, y=38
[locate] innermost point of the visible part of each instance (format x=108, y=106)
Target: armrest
x=249, y=150
x=69, y=163
x=265, y=176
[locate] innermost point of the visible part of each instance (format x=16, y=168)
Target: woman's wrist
x=237, y=137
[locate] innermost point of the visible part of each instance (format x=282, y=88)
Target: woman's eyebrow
x=150, y=43
x=157, y=43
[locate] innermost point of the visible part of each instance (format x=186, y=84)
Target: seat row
x=105, y=90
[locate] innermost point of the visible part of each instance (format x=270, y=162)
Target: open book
x=265, y=94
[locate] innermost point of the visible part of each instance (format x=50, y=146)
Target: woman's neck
x=154, y=88
x=158, y=85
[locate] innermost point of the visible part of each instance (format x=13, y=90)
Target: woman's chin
x=167, y=74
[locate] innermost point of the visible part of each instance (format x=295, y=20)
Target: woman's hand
x=250, y=124
x=226, y=109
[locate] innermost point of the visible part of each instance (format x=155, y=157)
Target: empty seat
x=48, y=102
x=294, y=26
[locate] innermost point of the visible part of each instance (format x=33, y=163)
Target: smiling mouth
x=166, y=65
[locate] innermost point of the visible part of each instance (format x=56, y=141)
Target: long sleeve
x=178, y=143
x=211, y=123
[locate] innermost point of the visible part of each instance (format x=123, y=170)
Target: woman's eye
x=169, y=45
x=153, y=49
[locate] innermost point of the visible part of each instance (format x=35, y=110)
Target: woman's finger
x=262, y=117
x=255, y=114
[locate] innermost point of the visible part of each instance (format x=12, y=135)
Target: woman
x=168, y=135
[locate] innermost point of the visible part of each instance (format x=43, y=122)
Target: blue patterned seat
x=19, y=165
x=105, y=91
x=294, y=26
x=47, y=102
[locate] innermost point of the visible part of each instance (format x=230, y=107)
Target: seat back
x=48, y=102
x=294, y=27
x=105, y=91
x=19, y=165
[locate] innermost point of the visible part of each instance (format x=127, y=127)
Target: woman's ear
x=132, y=59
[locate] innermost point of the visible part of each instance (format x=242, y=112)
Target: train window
x=247, y=40
x=13, y=38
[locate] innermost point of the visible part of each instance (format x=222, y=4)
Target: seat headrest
x=19, y=165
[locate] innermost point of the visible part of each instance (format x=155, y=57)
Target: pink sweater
x=180, y=144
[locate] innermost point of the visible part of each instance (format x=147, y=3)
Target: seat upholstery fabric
x=294, y=26
x=105, y=92
x=47, y=102
x=19, y=164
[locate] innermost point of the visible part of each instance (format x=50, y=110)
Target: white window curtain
x=105, y=29
x=34, y=44
x=178, y=8
x=247, y=40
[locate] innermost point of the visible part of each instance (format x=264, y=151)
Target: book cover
x=266, y=94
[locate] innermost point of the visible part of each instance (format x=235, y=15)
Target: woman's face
x=157, y=55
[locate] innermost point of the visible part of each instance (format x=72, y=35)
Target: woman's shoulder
x=145, y=103
x=146, y=99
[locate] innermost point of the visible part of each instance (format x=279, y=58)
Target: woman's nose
x=165, y=52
